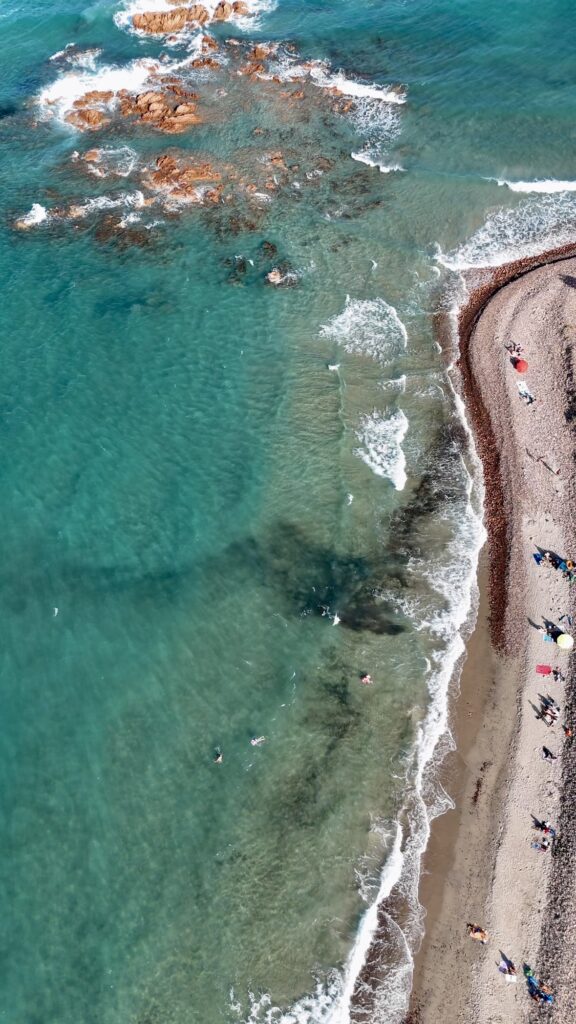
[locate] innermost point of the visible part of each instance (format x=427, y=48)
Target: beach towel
x=543, y=670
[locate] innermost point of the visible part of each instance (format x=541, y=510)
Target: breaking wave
x=513, y=233
x=369, y=327
x=382, y=437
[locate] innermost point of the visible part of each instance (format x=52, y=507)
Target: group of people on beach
x=538, y=990
x=565, y=565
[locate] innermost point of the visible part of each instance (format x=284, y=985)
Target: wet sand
x=480, y=865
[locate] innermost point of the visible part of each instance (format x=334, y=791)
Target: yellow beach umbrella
x=565, y=641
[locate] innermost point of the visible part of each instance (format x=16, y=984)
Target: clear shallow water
x=197, y=466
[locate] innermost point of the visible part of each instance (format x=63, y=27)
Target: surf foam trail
x=548, y=185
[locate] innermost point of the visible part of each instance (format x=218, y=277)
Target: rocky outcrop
x=181, y=179
x=206, y=62
x=241, y=10
x=161, y=22
x=171, y=110
x=223, y=12
x=88, y=119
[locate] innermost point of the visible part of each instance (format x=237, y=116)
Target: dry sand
x=480, y=865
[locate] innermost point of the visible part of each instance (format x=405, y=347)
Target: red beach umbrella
x=520, y=365
x=543, y=670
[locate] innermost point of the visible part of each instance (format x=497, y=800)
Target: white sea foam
x=524, y=230
x=382, y=451
x=547, y=185
x=78, y=58
x=322, y=76
x=365, y=158
x=368, y=327
x=37, y=214
x=119, y=162
x=130, y=200
x=58, y=99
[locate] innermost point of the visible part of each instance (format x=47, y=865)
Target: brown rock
x=277, y=160
x=260, y=52
x=94, y=96
x=299, y=95
x=213, y=195
x=209, y=44
x=205, y=62
x=87, y=120
x=144, y=99
x=161, y=21
x=199, y=14
x=252, y=69
x=91, y=156
x=241, y=9
x=174, y=125
x=185, y=108
x=224, y=11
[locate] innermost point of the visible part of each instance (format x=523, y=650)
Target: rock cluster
x=185, y=180
x=172, y=109
x=161, y=22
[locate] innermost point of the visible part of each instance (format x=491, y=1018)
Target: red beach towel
x=543, y=670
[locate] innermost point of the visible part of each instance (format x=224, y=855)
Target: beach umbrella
x=565, y=641
x=543, y=670
x=520, y=365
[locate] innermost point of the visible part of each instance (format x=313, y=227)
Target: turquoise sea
x=223, y=501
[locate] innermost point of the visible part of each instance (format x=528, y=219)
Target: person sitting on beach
x=557, y=675
x=543, y=846
x=477, y=933
x=514, y=348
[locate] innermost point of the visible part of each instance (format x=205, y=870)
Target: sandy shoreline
x=479, y=865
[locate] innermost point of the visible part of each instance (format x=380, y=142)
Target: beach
x=480, y=866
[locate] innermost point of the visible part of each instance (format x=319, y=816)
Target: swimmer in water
x=366, y=679
x=218, y=756
x=257, y=741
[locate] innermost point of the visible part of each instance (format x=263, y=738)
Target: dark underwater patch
x=318, y=581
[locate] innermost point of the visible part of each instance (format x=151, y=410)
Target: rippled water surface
x=223, y=501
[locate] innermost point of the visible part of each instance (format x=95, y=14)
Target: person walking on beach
x=548, y=755
x=477, y=933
